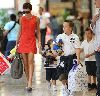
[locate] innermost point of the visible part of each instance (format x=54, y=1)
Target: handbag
x=17, y=67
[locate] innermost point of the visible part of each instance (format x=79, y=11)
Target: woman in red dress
x=27, y=41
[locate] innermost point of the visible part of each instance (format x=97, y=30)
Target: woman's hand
x=17, y=44
x=39, y=46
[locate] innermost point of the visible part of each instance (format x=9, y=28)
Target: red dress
x=27, y=41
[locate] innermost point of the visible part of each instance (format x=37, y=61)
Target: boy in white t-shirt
x=71, y=48
x=90, y=61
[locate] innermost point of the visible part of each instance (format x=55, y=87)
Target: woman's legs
x=31, y=68
x=28, y=60
x=26, y=67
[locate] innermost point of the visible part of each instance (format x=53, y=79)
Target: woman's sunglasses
x=27, y=12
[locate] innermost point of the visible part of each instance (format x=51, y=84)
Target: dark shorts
x=68, y=64
x=51, y=74
x=91, y=67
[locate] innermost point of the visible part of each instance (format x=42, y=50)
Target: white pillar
x=35, y=6
x=20, y=4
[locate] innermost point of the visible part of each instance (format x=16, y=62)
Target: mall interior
x=79, y=11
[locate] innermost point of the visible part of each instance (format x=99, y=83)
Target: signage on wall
x=58, y=7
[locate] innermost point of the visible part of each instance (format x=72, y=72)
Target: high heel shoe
x=29, y=89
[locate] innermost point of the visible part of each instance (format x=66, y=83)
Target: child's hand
x=98, y=49
x=95, y=18
x=87, y=55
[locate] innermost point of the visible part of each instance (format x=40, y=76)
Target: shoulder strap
x=12, y=27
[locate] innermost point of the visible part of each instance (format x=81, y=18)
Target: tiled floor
x=11, y=87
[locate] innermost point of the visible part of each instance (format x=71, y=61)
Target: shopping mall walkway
x=11, y=87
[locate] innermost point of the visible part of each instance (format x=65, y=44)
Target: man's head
x=20, y=14
x=68, y=27
x=13, y=17
x=97, y=3
x=41, y=10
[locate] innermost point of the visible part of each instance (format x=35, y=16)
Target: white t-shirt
x=70, y=43
x=88, y=48
x=43, y=21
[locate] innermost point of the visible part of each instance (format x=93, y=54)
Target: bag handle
x=75, y=66
x=81, y=64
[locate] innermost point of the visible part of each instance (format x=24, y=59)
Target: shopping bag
x=77, y=79
x=4, y=64
x=17, y=67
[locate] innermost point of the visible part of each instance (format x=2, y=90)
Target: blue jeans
x=9, y=47
x=97, y=55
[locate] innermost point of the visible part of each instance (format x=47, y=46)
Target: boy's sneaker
x=54, y=88
x=89, y=86
x=94, y=86
x=49, y=85
x=97, y=94
x=65, y=91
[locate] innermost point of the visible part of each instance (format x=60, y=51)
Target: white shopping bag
x=77, y=79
